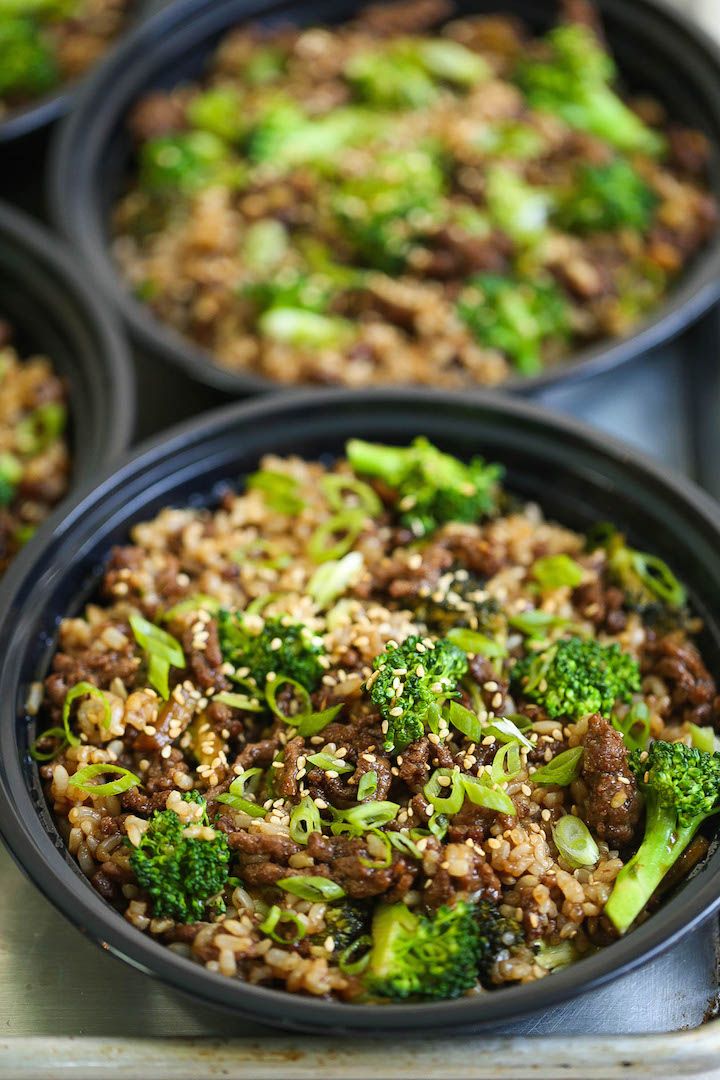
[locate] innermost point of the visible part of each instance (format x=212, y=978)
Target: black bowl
x=578, y=475
x=657, y=50
x=53, y=311
x=30, y=119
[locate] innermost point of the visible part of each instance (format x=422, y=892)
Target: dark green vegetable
x=181, y=874
x=430, y=676
x=285, y=648
x=646, y=578
x=575, y=677
x=681, y=785
x=607, y=197
x=431, y=487
x=187, y=161
x=27, y=62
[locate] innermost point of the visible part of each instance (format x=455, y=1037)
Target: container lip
x=45, y=110
x=114, y=379
x=79, y=143
x=33, y=847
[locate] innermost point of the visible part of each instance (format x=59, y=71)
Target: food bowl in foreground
x=577, y=479
x=382, y=303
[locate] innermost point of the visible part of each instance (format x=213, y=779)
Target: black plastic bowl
x=579, y=476
x=658, y=51
x=33, y=117
x=54, y=312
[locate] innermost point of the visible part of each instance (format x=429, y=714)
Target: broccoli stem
x=662, y=846
x=375, y=459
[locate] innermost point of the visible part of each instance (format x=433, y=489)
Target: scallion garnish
x=574, y=842
x=80, y=690
x=311, y=723
x=555, y=571
x=238, y=701
x=34, y=433
x=196, y=602
x=535, y=624
x=236, y=795
x=506, y=765
x=446, y=798
x=464, y=720
x=334, y=537
x=47, y=755
x=279, y=490
x=328, y=763
x=312, y=888
x=403, y=843
x=304, y=820
x=365, y=816
x=367, y=785
x=301, y=697
x=480, y=791
x=335, y=485
x=380, y=862
x=333, y=578
x=704, y=738
x=348, y=960
x=163, y=652
x=125, y=781
x=506, y=730
x=634, y=726
x=562, y=770
x=278, y=917
x=470, y=641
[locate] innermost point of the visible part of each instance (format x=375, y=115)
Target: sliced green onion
x=470, y=641
x=535, y=624
x=346, y=962
x=634, y=726
x=658, y=578
x=163, y=652
x=703, y=738
x=279, y=491
x=125, y=781
x=311, y=723
x=238, y=701
x=555, y=957
x=402, y=842
x=574, y=842
x=333, y=578
x=506, y=730
x=236, y=796
x=276, y=918
x=381, y=862
x=464, y=720
x=438, y=825
x=330, y=764
x=445, y=804
x=345, y=527
x=366, y=816
x=335, y=485
x=367, y=785
x=34, y=433
x=304, y=820
x=562, y=770
x=258, y=605
x=271, y=690
x=80, y=690
x=312, y=888
x=196, y=602
x=479, y=791
x=506, y=765
x=555, y=571
x=47, y=755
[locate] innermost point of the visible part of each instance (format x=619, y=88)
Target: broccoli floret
x=287, y=648
x=187, y=162
x=575, y=83
x=519, y=318
x=344, y=923
x=606, y=197
x=183, y=874
x=430, y=957
x=497, y=934
x=414, y=679
x=391, y=79
x=11, y=472
x=27, y=62
x=681, y=785
x=302, y=328
x=645, y=578
x=576, y=677
x=384, y=211
x=285, y=137
x=520, y=210
x=219, y=111
x=458, y=601
x=432, y=487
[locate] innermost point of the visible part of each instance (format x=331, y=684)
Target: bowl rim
x=32, y=845
x=113, y=436
x=115, y=83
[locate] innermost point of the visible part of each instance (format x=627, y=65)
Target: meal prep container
x=578, y=475
x=54, y=312
x=657, y=50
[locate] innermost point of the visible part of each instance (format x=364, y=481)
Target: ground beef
x=137, y=802
x=93, y=666
x=601, y=605
x=205, y=663
x=287, y=784
x=613, y=805
x=341, y=856
x=156, y=114
x=678, y=663
x=460, y=870
x=474, y=823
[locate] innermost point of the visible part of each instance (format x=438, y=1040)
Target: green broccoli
x=384, y=211
x=517, y=317
x=11, y=472
x=575, y=83
x=645, y=578
x=497, y=934
x=183, y=874
x=344, y=923
x=412, y=681
x=431, y=487
x=218, y=110
x=419, y=956
x=285, y=137
x=27, y=63
x=576, y=677
x=302, y=328
x=187, y=162
x=607, y=197
x=681, y=785
x=458, y=601
x=408, y=73
x=281, y=646
x=520, y=210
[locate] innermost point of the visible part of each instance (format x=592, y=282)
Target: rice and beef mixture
x=45, y=43
x=379, y=731
x=34, y=457
x=384, y=202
